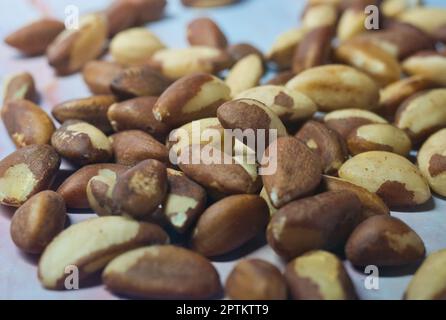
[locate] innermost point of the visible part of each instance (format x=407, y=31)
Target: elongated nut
x=432, y=161
x=255, y=279
x=100, y=191
x=191, y=98
x=319, y=275
x=230, y=223
x=393, y=8
x=92, y=244
x=282, y=50
x=205, y=32
x=26, y=172
x=73, y=48
x=351, y=23
x=384, y=241
x=428, y=19
x=245, y=74
x=334, y=87
x=20, y=86
x=323, y=221
x=162, y=272
x=98, y=75
x=38, y=221
x=149, y=10
x=319, y=16
x=240, y=50
x=394, y=178
x=429, y=64
x=34, y=38
x=27, y=123
x=81, y=143
x=120, y=15
x=92, y=110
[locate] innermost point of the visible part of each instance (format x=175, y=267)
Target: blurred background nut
x=319, y=16
x=281, y=78
x=240, y=50
x=351, y=23
x=207, y=3
x=148, y=10
x=205, y=32
x=283, y=48
x=393, y=8
x=429, y=64
x=98, y=75
x=427, y=19
x=245, y=74
x=20, y=86
x=121, y=15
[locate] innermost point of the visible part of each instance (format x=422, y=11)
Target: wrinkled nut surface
x=327, y=143
x=133, y=146
x=91, y=244
x=384, y=241
x=334, y=87
x=74, y=188
x=26, y=172
x=319, y=16
x=92, y=110
x=255, y=279
x=428, y=19
x=191, y=98
x=162, y=272
x=100, y=191
x=81, y=143
x=432, y=161
x=205, y=32
x=347, y=120
x=240, y=50
x=230, y=223
x=38, y=221
x=429, y=282
x=98, y=75
x=34, y=38
x=283, y=48
x=20, y=86
x=134, y=46
x=245, y=74
x=27, y=123
x=73, y=48
x=298, y=170
x=323, y=221
x=319, y=275
x=379, y=137
x=429, y=64
x=392, y=177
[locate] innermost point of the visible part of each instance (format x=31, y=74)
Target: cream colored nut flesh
x=319, y=16
x=430, y=66
x=245, y=74
x=282, y=50
x=350, y=24
x=427, y=19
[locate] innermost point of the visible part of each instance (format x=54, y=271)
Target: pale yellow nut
x=245, y=74
x=350, y=24
x=282, y=50
x=392, y=8
x=320, y=16
x=428, y=19
x=431, y=67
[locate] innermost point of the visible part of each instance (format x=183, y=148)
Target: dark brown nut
x=141, y=190
x=314, y=49
x=281, y=78
x=327, y=143
x=207, y=3
x=245, y=74
x=240, y=50
x=38, y=221
x=137, y=114
x=98, y=75
x=73, y=48
x=255, y=279
x=428, y=19
x=384, y=241
x=190, y=98
x=91, y=245
x=74, y=188
x=26, y=172
x=121, y=15
x=27, y=123
x=393, y=95
x=334, y=87
x=205, y=32
x=149, y=10
x=20, y=86
x=428, y=283
x=323, y=221
x=92, y=110
x=81, y=143
x=162, y=272
x=319, y=16
x=432, y=161
x=100, y=191
x=347, y=120
x=422, y=114
x=133, y=146
x=429, y=64
x=138, y=82
x=392, y=177
x=298, y=170
x=440, y=33
x=282, y=50
x=319, y=275
x=34, y=38
x=230, y=223
x=379, y=137
x=185, y=201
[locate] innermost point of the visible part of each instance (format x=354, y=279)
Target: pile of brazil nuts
x=348, y=106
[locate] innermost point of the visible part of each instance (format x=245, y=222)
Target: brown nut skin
x=205, y=32
x=81, y=143
x=282, y=51
x=121, y=15
x=20, y=86
x=139, y=191
x=27, y=123
x=281, y=78
x=98, y=75
x=319, y=275
x=99, y=192
x=327, y=143
x=207, y=3
x=74, y=188
x=26, y=172
x=298, y=171
x=255, y=279
x=34, y=38
x=162, y=272
x=149, y=10
x=38, y=221
x=240, y=50
x=137, y=114
x=92, y=110
x=323, y=221
x=384, y=241
x=133, y=146
x=229, y=223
